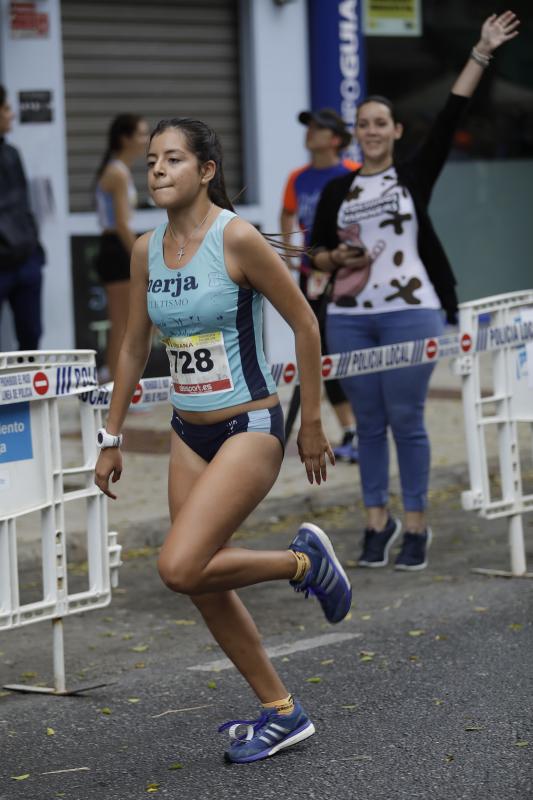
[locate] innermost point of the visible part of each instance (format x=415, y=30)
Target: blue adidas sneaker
x=326, y=579
x=267, y=735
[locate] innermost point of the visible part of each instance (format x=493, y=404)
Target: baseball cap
x=327, y=118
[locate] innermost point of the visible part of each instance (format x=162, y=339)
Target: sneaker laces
x=252, y=727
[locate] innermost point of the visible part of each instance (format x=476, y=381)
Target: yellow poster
x=392, y=18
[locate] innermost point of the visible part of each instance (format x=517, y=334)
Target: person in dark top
x=392, y=283
x=21, y=255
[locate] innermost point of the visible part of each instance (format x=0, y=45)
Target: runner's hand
x=108, y=465
x=313, y=447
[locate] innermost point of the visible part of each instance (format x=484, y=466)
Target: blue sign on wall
x=15, y=433
x=336, y=45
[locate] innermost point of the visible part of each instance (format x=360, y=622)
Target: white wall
x=279, y=50
x=36, y=64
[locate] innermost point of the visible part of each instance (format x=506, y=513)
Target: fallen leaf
x=106, y=710
x=180, y=710
x=139, y=665
x=152, y=787
x=521, y=743
x=348, y=616
x=127, y=636
x=366, y=655
x=440, y=638
x=449, y=758
x=328, y=661
x=185, y=622
x=416, y=633
x=314, y=679
x=366, y=616
x=438, y=702
x=177, y=765
x=28, y=675
x=473, y=728
x=4, y=694
x=211, y=684
x=61, y=771
x=350, y=563
x=50, y=732
x=20, y=777
x=414, y=658
x=349, y=708
x=140, y=648
x=133, y=700
x=516, y=626
x=480, y=609
x=285, y=658
x=108, y=619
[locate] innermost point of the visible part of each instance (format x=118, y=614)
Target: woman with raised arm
x=392, y=281
x=200, y=278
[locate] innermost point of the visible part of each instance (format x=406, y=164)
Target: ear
x=398, y=130
x=207, y=171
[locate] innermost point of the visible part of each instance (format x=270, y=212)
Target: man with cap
x=327, y=136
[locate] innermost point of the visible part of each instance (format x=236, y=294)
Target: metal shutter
x=158, y=58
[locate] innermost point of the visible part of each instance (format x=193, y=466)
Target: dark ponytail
x=205, y=144
x=123, y=125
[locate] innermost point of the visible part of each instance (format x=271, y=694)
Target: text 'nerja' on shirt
x=212, y=328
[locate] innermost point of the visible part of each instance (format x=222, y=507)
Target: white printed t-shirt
x=379, y=215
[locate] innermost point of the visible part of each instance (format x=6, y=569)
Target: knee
x=178, y=574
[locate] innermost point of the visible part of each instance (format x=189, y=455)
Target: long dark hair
x=3, y=95
x=205, y=144
x=123, y=125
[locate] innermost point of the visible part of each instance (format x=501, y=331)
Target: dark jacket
x=418, y=174
x=18, y=231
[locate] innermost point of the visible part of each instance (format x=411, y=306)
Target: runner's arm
x=252, y=262
x=137, y=341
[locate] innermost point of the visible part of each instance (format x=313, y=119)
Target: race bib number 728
x=199, y=364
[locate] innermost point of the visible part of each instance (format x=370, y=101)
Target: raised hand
x=497, y=30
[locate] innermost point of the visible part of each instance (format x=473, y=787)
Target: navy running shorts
x=206, y=440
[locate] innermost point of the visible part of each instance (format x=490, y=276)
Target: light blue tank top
x=104, y=200
x=212, y=328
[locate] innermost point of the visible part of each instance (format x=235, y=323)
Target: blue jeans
x=21, y=287
x=395, y=398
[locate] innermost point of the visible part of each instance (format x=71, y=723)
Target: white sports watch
x=105, y=439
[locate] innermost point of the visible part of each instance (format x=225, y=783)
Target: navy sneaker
x=413, y=554
x=326, y=579
x=376, y=544
x=267, y=735
x=347, y=451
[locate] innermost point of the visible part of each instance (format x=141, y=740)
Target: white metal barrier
x=34, y=479
x=509, y=403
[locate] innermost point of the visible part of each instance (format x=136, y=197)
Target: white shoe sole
x=297, y=737
x=388, y=546
x=416, y=567
x=326, y=541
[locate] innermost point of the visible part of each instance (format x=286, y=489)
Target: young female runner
x=199, y=277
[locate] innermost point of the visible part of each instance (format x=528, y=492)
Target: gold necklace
x=181, y=251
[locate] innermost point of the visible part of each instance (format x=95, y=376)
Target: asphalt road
x=430, y=697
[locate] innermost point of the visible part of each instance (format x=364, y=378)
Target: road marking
x=283, y=650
